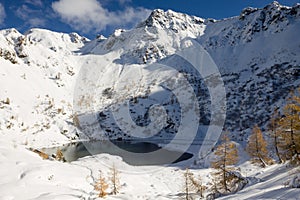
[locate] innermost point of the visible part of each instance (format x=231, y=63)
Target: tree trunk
x=186, y=187
x=258, y=153
x=294, y=148
x=276, y=142
x=224, y=167
x=276, y=147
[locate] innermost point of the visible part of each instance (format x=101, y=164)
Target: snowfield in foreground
x=24, y=175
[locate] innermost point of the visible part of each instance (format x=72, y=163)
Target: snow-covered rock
x=295, y=182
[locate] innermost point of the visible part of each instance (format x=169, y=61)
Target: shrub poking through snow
x=193, y=185
x=60, y=156
x=7, y=101
x=295, y=182
x=40, y=153
x=188, y=187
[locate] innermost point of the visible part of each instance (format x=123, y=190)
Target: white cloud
x=2, y=14
x=106, y=2
x=88, y=15
x=123, y=1
x=36, y=22
x=29, y=16
x=38, y=3
x=23, y=12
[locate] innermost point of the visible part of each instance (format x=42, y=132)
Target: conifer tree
x=189, y=187
x=290, y=127
x=275, y=134
x=257, y=147
x=198, y=184
x=226, y=156
x=101, y=186
x=115, y=180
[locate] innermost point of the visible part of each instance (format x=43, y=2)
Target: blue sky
x=92, y=17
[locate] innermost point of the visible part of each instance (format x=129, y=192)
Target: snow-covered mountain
x=38, y=70
x=52, y=82
x=257, y=54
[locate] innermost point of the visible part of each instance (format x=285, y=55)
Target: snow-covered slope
x=37, y=77
x=257, y=54
x=271, y=183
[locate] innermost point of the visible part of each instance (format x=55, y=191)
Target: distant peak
x=154, y=16
x=10, y=30
x=160, y=14
x=172, y=20
x=273, y=5
x=157, y=13
x=248, y=10
x=118, y=32
x=100, y=37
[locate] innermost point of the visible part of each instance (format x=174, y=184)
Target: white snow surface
x=39, y=72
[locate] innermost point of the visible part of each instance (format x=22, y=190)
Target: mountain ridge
x=235, y=46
